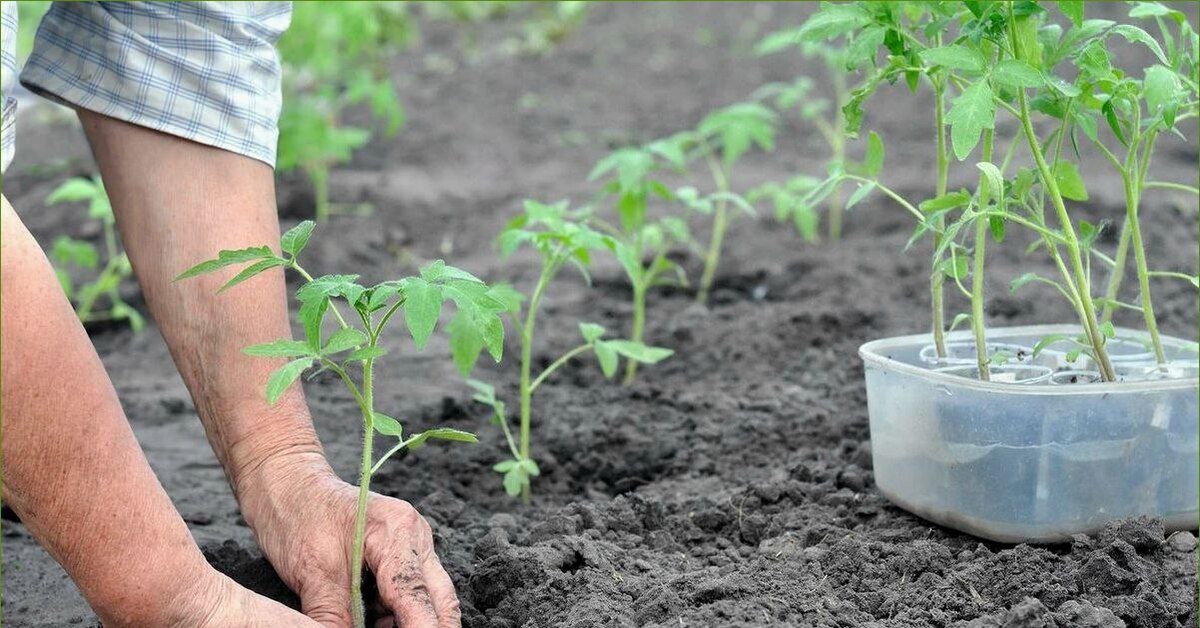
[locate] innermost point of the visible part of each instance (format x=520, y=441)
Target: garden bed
x=731, y=485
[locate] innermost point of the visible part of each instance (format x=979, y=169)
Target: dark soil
x=732, y=485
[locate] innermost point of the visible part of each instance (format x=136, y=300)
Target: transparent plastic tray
x=1043, y=451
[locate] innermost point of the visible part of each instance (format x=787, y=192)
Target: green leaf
x=278, y=349
x=514, y=481
x=607, y=357
x=363, y=354
x=950, y=200
x=1087, y=234
x=330, y=286
x=997, y=224
x=955, y=58
x=1046, y=341
x=311, y=314
x=344, y=339
x=1107, y=330
x=530, y=467
x=1016, y=74
x=1070, y=184
x=873, y=162
x=639, y=352
x=859, y=194
x=227, y=258
x=995, y=180
x=1073, y=9
x=73, y=189
x=972, y=112
x=442, y=433
x=833, y=20
x=438, y=272
x=252, y=270
x=296, y=238
x=955, y=267
x=283, y=377
x=386, y=425
x=505, y=466
x=1163, y=93
x=466, y=343
x=1133, y=34
x=1027, y=279
x=740, y=126
x=591, y=332
x=422, y=309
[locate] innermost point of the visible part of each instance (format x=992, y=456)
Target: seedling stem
x=720, y=219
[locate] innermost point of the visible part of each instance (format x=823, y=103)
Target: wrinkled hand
x=303, y=518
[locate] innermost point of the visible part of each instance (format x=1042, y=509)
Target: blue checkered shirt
x=204, y=71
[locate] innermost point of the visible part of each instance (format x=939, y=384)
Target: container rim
x=873, y=354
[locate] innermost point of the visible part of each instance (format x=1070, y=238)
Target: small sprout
x=560, y=236
x=90, y=298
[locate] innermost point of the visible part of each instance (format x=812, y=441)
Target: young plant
x=356, y=345
x=830, y=123
x=325, y=74
x=1137, y=113
x=722, y=138
x=98, y=300
x=642, y=244
x=560, y=237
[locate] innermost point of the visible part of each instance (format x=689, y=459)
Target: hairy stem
x=1078, y=276
x=526, y=385
x=357, y=611
x=936, y=278
x=639, y=324
x=978, y=324
x=1118, y=273
x=555, y=365
x=720, y=220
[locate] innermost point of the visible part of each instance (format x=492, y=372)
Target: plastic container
x=1046, y=453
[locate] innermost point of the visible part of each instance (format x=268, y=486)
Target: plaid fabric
x=204, y=71
x=8, y=70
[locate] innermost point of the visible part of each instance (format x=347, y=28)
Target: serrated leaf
x=251, y=271
x=954, y=57
x=1016, y=74
x=1107, y=330
x=296, y=238
x=386, y=425
x=284, y=377
x=1133, y=34
x=344, y=339
x=227, y=258
x=422, y=309
x=833, y=20
x=1073, y=9
x=1070, y=183
x=860, y=193
x=971, y=113
x=278, y=349
x=311, y=314
x=950, y=200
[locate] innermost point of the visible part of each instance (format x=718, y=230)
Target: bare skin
x=177, y=203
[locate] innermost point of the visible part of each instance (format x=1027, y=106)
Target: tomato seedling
x=560, y=237
x=828, y=121
x=475, y=327
x=68, y=252
x=641, y=244
x=327, y=73
x=722, y=138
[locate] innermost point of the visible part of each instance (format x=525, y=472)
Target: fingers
x=411, y=581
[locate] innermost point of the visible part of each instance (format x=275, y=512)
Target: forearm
x=73, y=470
x=177, y=203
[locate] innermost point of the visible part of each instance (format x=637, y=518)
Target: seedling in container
x=356, y=345
x=560, y=237
x=68, y=252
